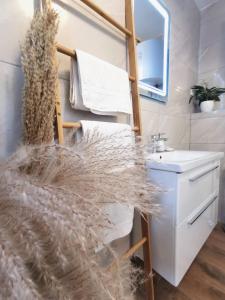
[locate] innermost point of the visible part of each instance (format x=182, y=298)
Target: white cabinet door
x=194, y=187
x=191, y=235
x=189, y=213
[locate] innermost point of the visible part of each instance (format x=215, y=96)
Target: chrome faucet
x=158, y=142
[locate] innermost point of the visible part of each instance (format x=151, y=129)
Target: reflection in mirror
x=152, y=29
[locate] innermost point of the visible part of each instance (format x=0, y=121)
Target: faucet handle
x=161, y=138
x=161, y=134
x=154, y=137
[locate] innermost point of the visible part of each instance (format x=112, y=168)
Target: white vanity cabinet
x=189, y=209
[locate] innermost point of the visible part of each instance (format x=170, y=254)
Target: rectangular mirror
x=152, y=29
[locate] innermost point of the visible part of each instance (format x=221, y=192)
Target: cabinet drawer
x=192, y=234
x=194, y=188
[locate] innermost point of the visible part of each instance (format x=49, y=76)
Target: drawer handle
x=202, y=210
x=196, y=177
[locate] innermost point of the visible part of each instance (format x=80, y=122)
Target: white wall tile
x=14, y=20
x=150, y=124
x=213, y=12
x=212, y=57
x=149, y=105
x=212, y=31
x=208, y=131
x=212, y=40
x=177, y=129
x=215, y=77
x=11, y=81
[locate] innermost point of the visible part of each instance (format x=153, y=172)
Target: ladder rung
x=64, y=50
x=132, y=78
x=136, y=128
x=129, y=253
x=71, y=125
x=134, y=248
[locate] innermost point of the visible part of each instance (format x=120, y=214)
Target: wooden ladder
x=129, y=31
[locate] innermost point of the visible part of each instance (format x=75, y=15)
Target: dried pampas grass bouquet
x=53, y=197
x=52, y=216
x=41, y=78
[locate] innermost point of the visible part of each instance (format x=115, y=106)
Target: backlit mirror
x=152, y=30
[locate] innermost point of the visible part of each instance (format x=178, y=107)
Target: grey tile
x=11, y=79
x=212, y=56
x=208, y=130
x=14, y=19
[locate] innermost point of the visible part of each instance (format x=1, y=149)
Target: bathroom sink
x=181, y=161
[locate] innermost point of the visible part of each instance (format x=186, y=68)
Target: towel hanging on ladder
x=98, y=86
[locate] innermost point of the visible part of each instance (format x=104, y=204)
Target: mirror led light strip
x=165, y=15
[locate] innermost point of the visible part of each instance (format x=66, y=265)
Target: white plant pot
x=217, y=105
x=207, y=106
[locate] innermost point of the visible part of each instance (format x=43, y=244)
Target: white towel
x=98, y=86
x=121, y=216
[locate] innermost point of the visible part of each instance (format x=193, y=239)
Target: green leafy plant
x=203, y=93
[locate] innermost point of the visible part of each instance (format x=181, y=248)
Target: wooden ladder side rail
x=133, y=65
x=146, y=232
x=130, y=33
x=137, y=123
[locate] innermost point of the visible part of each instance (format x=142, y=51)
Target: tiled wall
x=14, y=19
x=173, y=118
x=81, y=28
x=207, y=134
x=212, y=46
x=207, y=130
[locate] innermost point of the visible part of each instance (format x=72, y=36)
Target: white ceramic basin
x=181, y=161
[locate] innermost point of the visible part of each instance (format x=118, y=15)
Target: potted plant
x=206, y=97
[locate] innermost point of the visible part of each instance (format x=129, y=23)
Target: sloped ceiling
x=202, y=4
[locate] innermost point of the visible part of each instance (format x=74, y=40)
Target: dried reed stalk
x=52, y=216
x=40, y=72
